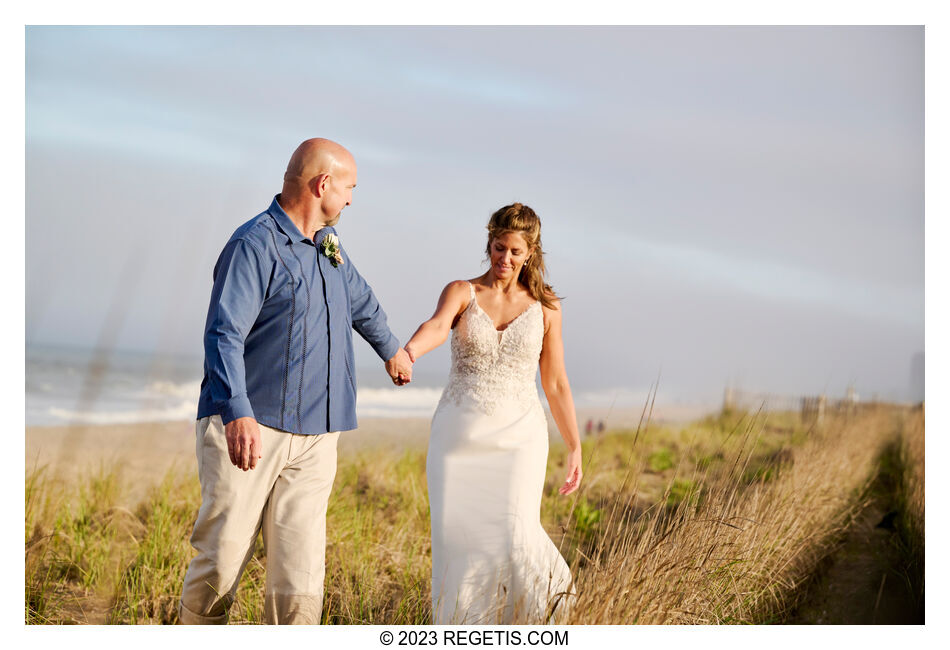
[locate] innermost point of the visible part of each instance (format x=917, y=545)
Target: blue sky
x=719, y=204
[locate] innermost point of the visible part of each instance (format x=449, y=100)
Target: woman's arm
x=433, y=333
x=558, y=391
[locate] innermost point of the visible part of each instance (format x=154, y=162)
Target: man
x=277, y=390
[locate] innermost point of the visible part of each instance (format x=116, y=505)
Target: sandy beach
x=144, y=452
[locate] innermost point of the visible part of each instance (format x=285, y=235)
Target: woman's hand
x=558, y=391
x=574, y=473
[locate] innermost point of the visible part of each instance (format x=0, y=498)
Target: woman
x=492, y=561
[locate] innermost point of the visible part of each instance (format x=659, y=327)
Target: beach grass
x=718, y=521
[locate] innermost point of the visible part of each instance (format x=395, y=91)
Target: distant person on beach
x=278, y=389
x=492, y=561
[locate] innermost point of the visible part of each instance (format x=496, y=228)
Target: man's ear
x=319, y=184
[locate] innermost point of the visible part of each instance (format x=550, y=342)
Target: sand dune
x=144, y=452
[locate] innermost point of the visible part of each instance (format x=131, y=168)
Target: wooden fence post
x=729, y=400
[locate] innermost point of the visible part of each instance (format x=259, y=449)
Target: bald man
x=278, y=389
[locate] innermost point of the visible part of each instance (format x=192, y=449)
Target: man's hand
x=244, y=442
x=400, y=368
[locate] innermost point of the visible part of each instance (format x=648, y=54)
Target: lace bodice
x=489, y=366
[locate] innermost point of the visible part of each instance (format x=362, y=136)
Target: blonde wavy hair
x=521, y=219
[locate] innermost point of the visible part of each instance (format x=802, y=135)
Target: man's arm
x=236, y=299
x=369, y=320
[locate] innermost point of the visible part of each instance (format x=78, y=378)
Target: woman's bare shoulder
x=457, y=291
x=457, y=286
x=555, y=304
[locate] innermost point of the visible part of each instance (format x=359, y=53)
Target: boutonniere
x=331, y=248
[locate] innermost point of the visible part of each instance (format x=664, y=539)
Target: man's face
x=339, y=192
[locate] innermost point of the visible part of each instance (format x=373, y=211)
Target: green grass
x=586, y=518
x=660, y=460
x=148, y=583
x=90, y=561
x=682, y=491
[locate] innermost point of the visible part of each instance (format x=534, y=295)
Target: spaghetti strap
x=471, y=306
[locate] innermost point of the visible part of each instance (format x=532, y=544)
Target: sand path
x=144, y=453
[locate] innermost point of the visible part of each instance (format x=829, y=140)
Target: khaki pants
x=287, y=494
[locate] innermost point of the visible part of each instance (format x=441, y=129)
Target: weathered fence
x=811, y=408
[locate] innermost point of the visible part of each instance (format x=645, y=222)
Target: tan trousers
x=287, y=494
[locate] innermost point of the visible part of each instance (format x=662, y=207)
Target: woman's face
x=508, y=254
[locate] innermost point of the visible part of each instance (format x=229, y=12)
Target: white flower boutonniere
x=331, y=248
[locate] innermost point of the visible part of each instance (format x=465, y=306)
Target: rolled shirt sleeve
x=240, y=283
x=369, y=319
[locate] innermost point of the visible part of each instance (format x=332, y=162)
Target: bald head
x=318, y=184
x=312, y=158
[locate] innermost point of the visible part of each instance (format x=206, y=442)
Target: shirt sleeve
x=236, y=299
x=369, y=319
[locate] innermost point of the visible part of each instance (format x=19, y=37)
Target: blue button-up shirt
x=278, y=345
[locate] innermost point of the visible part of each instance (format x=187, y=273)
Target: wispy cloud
x=497, y=89
x=779, y=169
x=769, y=280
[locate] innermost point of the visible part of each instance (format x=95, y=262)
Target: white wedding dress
x=492, y=561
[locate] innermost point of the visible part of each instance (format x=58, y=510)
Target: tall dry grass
x=715, y=522
x=736, y=546
x=910, y=501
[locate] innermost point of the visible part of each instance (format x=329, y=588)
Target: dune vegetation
x=719, y=521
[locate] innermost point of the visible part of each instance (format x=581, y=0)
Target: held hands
x=574, y=473
x=244, y=442
x=400, y=368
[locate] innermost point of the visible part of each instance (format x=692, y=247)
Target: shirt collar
x=323, y=232
x=284, y=222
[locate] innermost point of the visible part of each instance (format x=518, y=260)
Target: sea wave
x=184, y=410
x=184, y=390
x=404, y=402
x=617, y=397
x=370, y=402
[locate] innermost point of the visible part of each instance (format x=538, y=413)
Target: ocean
x=74, y=386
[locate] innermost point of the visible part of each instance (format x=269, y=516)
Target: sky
x=720, y=205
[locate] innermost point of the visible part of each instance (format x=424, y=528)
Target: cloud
x=497, y=89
